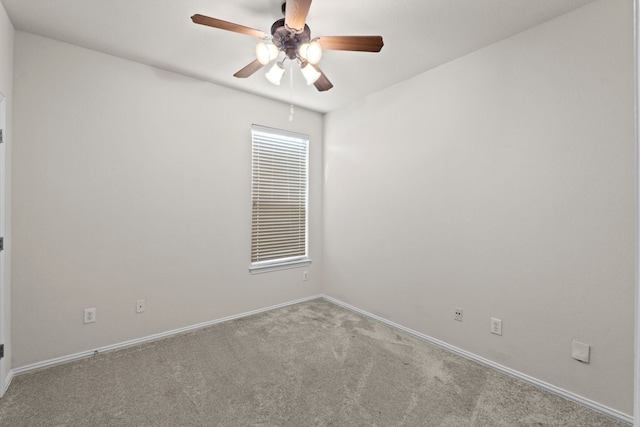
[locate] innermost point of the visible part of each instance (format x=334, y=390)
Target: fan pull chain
x=290, y=94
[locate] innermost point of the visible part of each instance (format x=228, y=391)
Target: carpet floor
x=310, y=364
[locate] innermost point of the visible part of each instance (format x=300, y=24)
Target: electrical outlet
x=305, y=275
x=140, y=306
x=89, y=315
x=457, y=314
x=496, y=326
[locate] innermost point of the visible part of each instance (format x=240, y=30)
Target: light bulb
x=274, y=75
x=310, y=73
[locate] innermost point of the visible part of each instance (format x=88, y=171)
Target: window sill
x=275, y=266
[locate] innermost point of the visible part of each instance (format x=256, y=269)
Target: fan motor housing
x=286, y=41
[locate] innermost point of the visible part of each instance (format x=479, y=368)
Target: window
x=279, y=189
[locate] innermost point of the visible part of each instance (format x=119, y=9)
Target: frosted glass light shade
x=266, y=52
x=274, y=75
x=310, y=52
x=314, y=52
x=310, y=74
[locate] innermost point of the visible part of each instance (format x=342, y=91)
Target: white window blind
x=278, y=197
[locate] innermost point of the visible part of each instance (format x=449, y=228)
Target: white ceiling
x=418, y=35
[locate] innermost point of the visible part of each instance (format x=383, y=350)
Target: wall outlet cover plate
x=89, y=315
x=580, y=351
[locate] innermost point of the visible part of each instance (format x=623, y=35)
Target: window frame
x=259, y=134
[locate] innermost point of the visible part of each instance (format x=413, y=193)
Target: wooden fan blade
x=229, y=26
x=353, y=43
x=296, y=14
x=249, y=69
x=323, y=82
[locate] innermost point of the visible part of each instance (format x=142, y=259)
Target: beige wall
x=6, y=91
x=502, y=183
x=134, y=183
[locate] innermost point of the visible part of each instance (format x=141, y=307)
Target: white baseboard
x=627, y=419
x=7, y=382
x=84, y=354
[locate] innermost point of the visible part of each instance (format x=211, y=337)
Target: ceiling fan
x=292, y=36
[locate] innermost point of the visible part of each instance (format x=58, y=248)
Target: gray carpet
x=311, y=364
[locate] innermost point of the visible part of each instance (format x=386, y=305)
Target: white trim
x=257, y=268
x=84, y=354
x=511, y=372
x=636, y=63
x=4, y=362
x=7, y=382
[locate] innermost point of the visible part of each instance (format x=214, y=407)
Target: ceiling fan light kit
x=292, y=36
